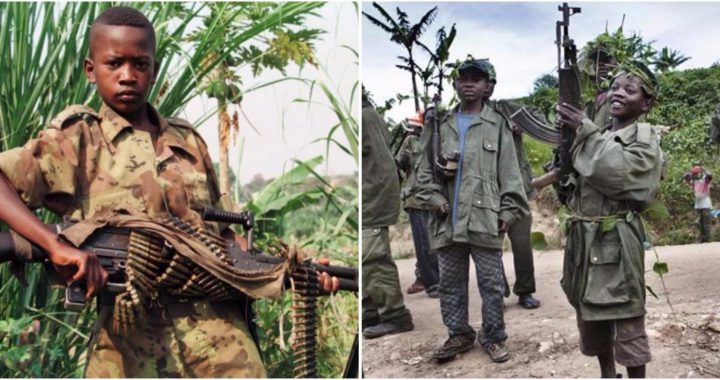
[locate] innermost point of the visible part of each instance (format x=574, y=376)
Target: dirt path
x=544, y=342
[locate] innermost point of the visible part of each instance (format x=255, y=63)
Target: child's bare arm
x=71, y=263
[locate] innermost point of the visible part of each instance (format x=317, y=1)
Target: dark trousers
x=426, y=265
x=704, y=224
x=519, y=235
x=454, y=263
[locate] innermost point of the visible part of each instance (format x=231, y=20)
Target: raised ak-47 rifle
x=144, y=262
x=570, y=93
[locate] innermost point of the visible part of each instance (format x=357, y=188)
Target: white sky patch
x=287, y=129
x=518, y=37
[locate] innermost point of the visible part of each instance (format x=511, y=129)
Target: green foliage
x=406, y=34
x=660, y=268
x=537, y=240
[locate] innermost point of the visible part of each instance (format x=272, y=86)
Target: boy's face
x=471, y=85
x=122, y=64
x=489, y=90
x=627, y=99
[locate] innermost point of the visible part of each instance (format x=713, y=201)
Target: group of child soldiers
x=476, y=189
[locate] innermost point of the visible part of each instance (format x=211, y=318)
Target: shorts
x=626, y=336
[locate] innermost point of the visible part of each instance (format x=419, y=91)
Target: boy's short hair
x=124, y=16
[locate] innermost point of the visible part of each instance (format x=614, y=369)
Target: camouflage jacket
x=88, y=162
x=618, y=175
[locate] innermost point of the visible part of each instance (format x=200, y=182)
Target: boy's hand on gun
x=327, y=283
x=75, y=265
x=569, y=116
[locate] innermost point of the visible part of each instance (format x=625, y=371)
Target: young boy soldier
x=383, y=310
x=519, y=232
x=618, y=174
x=408, y=159
x=473, y=207
x=128, y=157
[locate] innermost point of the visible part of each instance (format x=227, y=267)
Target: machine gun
x=131, y=256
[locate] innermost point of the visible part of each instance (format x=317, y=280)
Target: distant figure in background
x=427, y=275
x=699, y=180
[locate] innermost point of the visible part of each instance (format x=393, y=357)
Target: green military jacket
x=618, y=175
x=507, y=108
x=491, y=187
x=380, y=182
x=410, y=155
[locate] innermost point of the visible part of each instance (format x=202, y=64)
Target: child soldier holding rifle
x=126, y=157
x=618, y=173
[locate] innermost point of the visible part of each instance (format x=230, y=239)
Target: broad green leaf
x=661, y=268
x=537, y=239
x=656, y=210
x=609, y=223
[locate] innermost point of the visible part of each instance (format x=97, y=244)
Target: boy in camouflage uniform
x=472, y=209
x=618, y=174
x=128, y=158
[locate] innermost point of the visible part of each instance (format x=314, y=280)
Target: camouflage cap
x=491, y=70
x=476, y=64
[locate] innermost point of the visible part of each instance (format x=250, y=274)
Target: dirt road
x=544, y=342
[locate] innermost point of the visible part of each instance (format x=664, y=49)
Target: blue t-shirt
x=463, y=121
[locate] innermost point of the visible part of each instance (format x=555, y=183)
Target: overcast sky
x=518, y=37
x=285, y=130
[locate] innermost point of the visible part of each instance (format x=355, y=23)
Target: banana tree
x=406, y=34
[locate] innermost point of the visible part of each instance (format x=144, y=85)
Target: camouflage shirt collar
x=112, y=123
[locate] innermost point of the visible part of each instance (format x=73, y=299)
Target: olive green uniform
x=603, y=272
x=381, y=292
x=519, y=232
x=426, y=265
x=490, y=191
x=88, y=163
